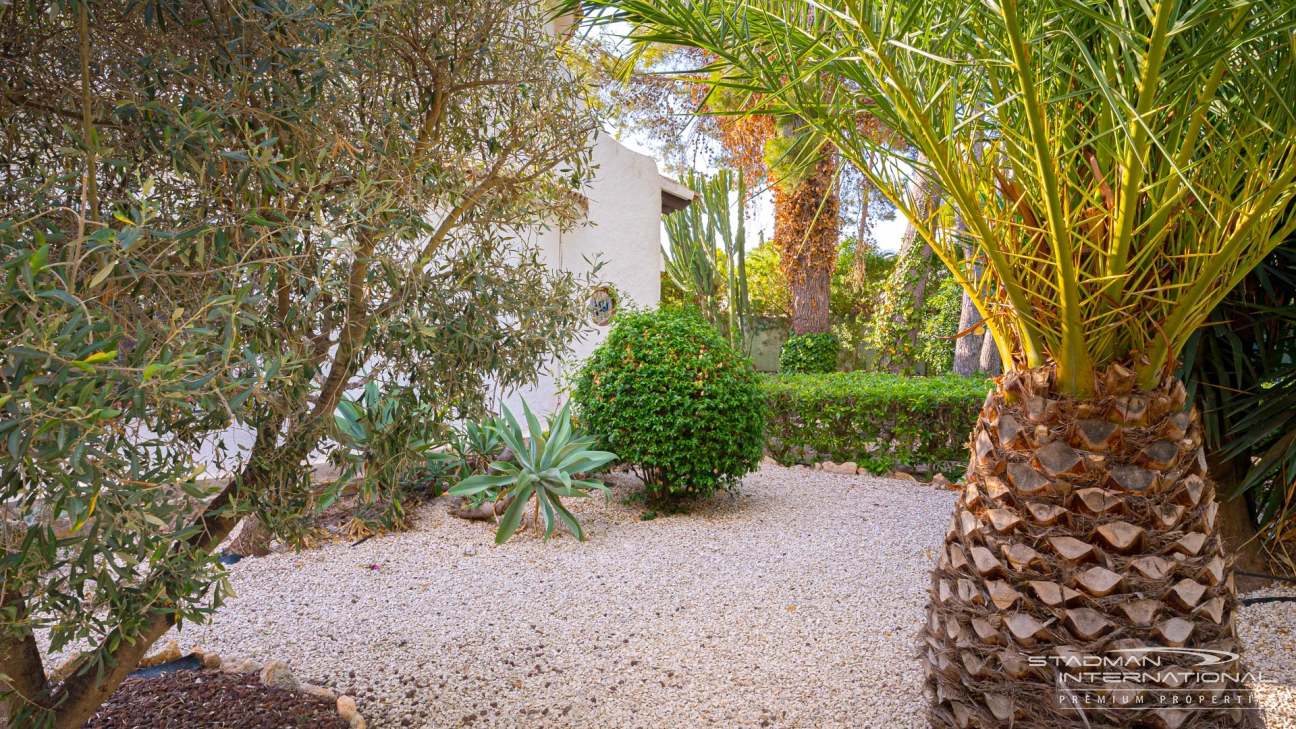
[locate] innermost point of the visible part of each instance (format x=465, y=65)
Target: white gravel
x=1269, y=633
x=795, y=604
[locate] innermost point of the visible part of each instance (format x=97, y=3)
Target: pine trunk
x=805, y=233
x=989, y=364
x=1087, y=532
x=967, y=348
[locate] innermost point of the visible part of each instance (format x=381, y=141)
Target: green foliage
x=938, y=322
x=770, y=294
x=877, y=420
x=387, y=440
x=675, y=400
x=1105, y=209
x=238, y=213
x=809, y=353
x=1241, y=376
x=100, y=422
x=855, y=292
x=544, y=467
x=476, y=446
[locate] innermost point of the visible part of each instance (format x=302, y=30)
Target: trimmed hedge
x=809, y=354
x=879, y=421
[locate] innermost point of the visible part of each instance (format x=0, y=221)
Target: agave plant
x=1118, y=167
x=544, y=467
x=383, y=439
x=477, y=445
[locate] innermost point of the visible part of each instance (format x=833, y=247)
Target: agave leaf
x=477, y=484
x=547, y=510
x=537, y=434
x=512, y=435
x=508, y=523
x=568, y=517
x=586, y=461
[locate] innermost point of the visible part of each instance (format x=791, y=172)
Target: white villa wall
x=623, y=230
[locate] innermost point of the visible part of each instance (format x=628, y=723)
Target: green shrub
x=675, y=401
x=879, y=421
x=809, y=354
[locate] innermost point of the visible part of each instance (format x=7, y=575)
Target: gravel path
x=1269, y=633
x=796, y=604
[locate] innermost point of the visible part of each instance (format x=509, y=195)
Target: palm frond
x=1119, y=166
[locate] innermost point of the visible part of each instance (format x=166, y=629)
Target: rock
x=849, y=468
x=318, y=691
x=277, y=674
x=66, y=668
x=209, y=659
x=169, y=652
x=822, y=466
x=358, y=722
x=346, y=708
x=769, y=461
x=238, y=665
x=942, y=482
x=902, y=476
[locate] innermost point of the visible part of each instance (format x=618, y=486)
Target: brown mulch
x=212, y=700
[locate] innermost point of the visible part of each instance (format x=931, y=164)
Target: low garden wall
x=879, y=421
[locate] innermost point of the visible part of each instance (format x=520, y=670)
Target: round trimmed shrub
x=812, y=354
x=675, y=401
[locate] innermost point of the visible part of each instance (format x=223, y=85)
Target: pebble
x=1268, y=633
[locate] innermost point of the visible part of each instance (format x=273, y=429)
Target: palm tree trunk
x=1085, y=528
x=805, y=232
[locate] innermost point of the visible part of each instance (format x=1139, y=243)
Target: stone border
x=850, y=468
x=277, y=674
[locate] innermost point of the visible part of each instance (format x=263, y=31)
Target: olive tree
x=218, y=211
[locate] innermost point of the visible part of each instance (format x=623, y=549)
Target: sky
x=887, y=233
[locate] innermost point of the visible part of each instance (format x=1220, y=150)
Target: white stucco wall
x=623, y=230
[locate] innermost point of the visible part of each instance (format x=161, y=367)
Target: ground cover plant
x=674, y=401
x=217, y=213
x=1107, y=206
x=877, y=420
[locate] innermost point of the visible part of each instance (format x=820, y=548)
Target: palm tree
x=805, y=234
x=1117, y=168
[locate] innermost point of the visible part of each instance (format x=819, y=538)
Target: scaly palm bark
x=1086, y=528
x=805, y=233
